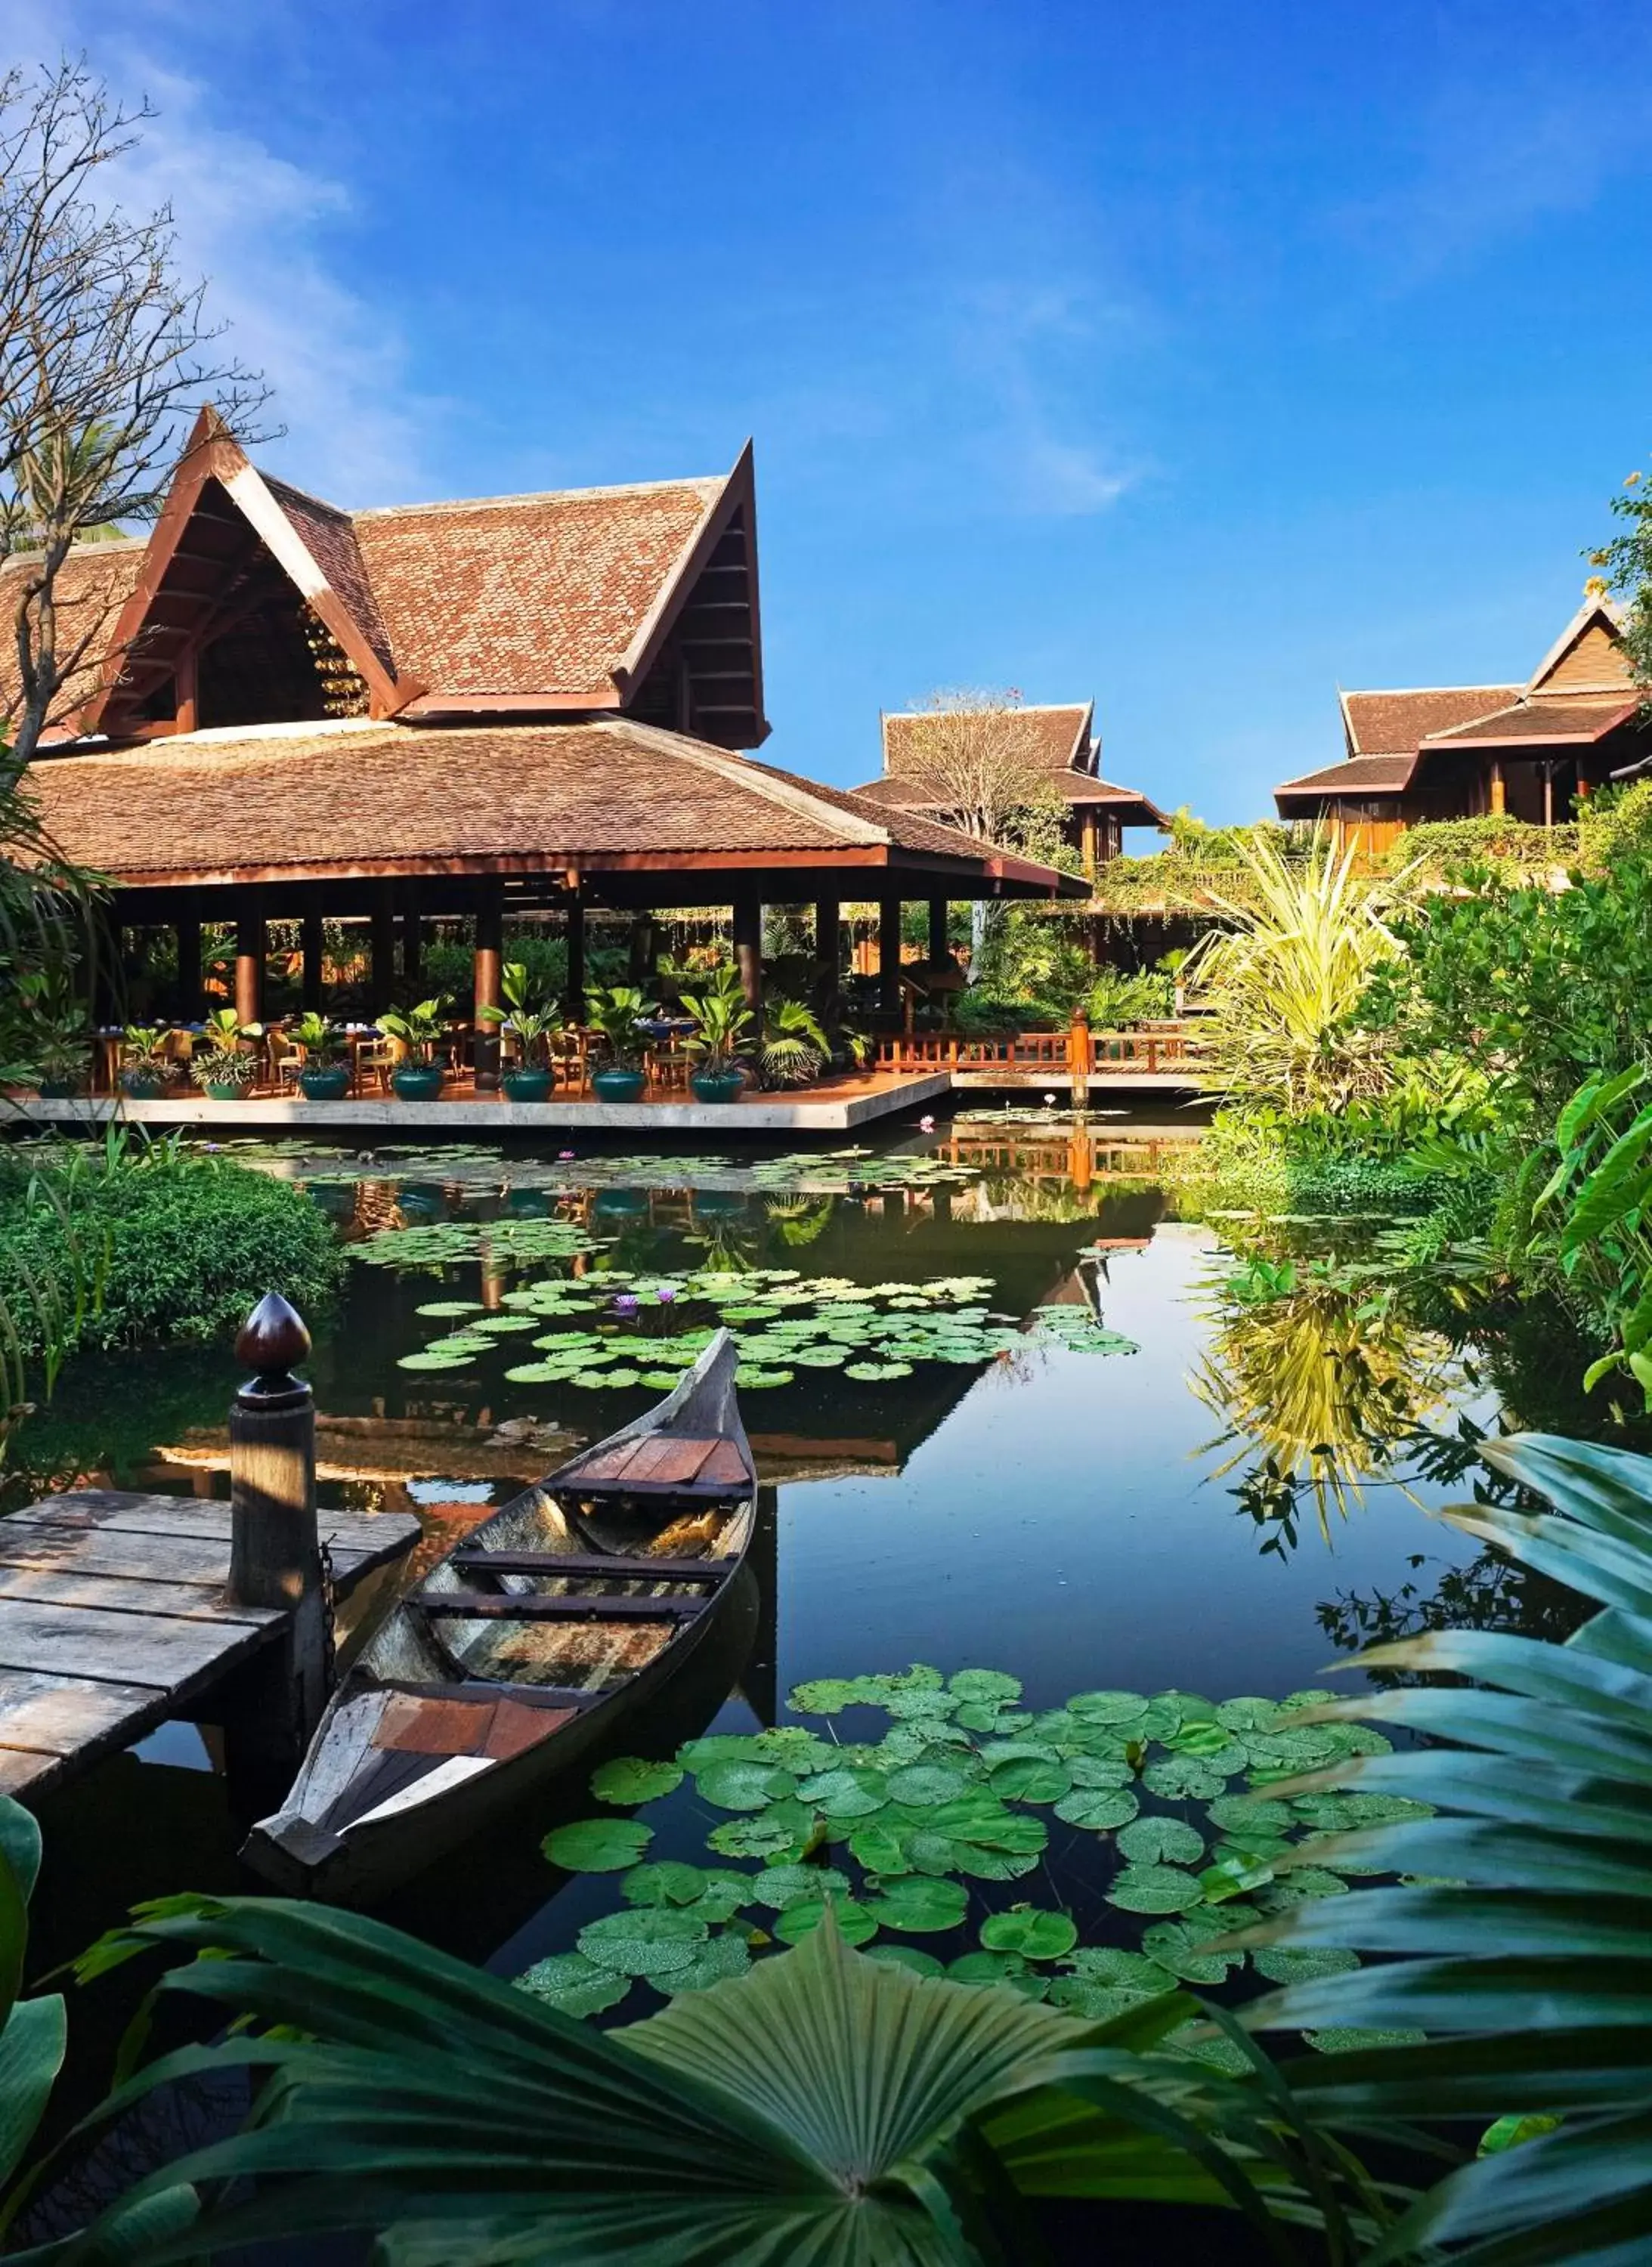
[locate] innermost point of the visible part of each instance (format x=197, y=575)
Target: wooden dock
x=112, y=1618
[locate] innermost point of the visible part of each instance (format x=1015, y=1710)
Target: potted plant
x=529, y=1019
x=326, y=1075
x=224, y=1067
x=720, y=1040
x=146, y=1069
x=47, y=1034
x=417, y=1030
x=614, y=1013
x=795, y=1047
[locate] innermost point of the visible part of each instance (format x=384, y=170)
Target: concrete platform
x=835, y=1108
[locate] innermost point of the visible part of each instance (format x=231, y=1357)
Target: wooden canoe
x=524, y=1647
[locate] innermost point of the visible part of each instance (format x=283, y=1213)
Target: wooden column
x=748, y=952
x=189, y=968
x=274, y=1550
x=938, y=951
x=412, y=946
x=249, y=961
x=187, y=710
x=829, y=957
x=573, y=998
x=1090, y=841
x=1499, y=790
x=312, y=942
x=381, y=951
x=489, y=958
x=889, y=955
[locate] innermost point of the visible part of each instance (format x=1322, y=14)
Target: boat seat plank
x=725, y=1467
x=566, y=1699
x=602, y=1565
x=491, y=1605
x=423, y=1725
x=659, y=1459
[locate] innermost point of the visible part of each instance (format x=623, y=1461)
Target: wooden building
x=530, y=703
x=1057, y=743
x=1462, y=752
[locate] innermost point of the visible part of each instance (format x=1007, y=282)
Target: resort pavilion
x=1467, y=750
x=530, y=705
x=1060, y=742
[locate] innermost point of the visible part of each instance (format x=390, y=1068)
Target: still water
x=1121, y=1495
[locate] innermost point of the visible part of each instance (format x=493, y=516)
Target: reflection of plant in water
x=1319, y=1387
x=1490, y=1593
x=732, y=1244
x=797, y=1222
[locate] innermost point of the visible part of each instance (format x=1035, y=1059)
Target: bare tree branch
x=104, y=357
x=971, y=755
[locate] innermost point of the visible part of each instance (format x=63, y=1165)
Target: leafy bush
x=186, y=1244
x=1614, y=825
x=1512, y=849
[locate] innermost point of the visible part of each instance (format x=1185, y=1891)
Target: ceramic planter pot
x=141, y=1085
x=418, y=1081
x=615, y=1085
x=524, y=1085
x=217, y=1089
x=60, y=1089
x=716, y=1085
x=331, y=1084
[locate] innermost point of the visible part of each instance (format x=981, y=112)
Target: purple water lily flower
x=665, y=1294
x=564, y=1156
x=625, y=1303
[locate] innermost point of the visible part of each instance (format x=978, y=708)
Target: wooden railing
x=1153, y=1050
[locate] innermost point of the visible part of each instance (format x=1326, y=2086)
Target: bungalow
x=1461, y=751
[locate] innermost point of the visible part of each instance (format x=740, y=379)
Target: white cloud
x=1030, y=353
x=259, y=228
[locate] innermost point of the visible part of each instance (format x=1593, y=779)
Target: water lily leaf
x=669, y=1882
x=433, y=1358
x=846, y=1792
x=924, y=1853
x=983, y=1716
x=1180, y=1945
x=780, y=1886
x=825, y=1696
x=986, y=1967
x=1155, y=1890
x=629, y=1779
x=920, y=1701
x=1303, y=1883
x=1025, y=1779
x=1132, y=1972
x=907, y=1955
x=533, y=1373
x=1107, y=1708
x=980, y=1816
x=882, y=1849
x=782, y=1830
x=501, y=1325
x=856, y=1924
x=744, y=1786
x=1095, y=2003
x=1099, y=1771
x=923, y=1785
x=1206, y=1740
x=449, y=1306
x=598, y=1845
x=642, y=1940
x=722, y=1747
x=981, y=1864
x=721, y=1956
x=1234, y=1877
x=1352, y=2039
x=1034, y=1934
x=574, y=1984
x=1099, y=1808
x=1247, y=1714
x=1176, y=1778
x=1150, y=1840
x=920, y=1905
x=1202, y=2043
x=794, y=1750
x=987, y=1685
x=1010, y=1751
x=1241, y=1815
x=1285, y=1963
x=876, y=1373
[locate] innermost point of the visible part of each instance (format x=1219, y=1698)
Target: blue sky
x=1197, y=359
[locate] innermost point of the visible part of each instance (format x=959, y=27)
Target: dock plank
x=188, y=1514
x=54, y=1715
x=120, y=1647
x=183, y=1538
x=192, y=1601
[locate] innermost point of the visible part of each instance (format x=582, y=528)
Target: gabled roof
x=1578, y=721
x=359, y=796
x=1588, y=655
x=93, y=584
x=1395, y=724
x=1354, y=775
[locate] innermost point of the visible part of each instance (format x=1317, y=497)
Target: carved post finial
x=272, y=1339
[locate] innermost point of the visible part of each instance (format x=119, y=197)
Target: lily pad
x=1025, y=1779
x=719, y=1957
x=430, y=1358
x=449, y=1306
x=782, y=1830
x=630, y=1778
x=1155, y=1890
x=780, y=1886
x=907, y=1955
x=1099, y=1808
x=1179, y=1946
x=1182, y=1778
x=573, y=1984
x=1108, y=1707
x=846, y=1794
x=598, y=1845
x=876, y=1373
x=985, y=1684
x=923, y=1785
x=1285, y=1963
x=1033, y=1932
x=744, y=1786
x=642, y=1940
x=1130, y=1972
x=882, y=1849
x=920, y=1906
x=669, y=1882
x=1150, y=1840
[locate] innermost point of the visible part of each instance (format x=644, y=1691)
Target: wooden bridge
x=1162, y=1056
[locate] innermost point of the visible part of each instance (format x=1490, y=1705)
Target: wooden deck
x=112, y=1618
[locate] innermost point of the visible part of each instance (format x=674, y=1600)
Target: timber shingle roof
x=1578, y=721
x=366, y=797
x=1354, y=775
x=93, y=584
x=1396, y=724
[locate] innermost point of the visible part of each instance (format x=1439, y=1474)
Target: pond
x=1010, y=1411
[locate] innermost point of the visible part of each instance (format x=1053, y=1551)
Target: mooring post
x=274, y=1550
x=1081, y=1058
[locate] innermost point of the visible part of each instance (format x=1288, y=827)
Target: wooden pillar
x=1080, y=1057
x=1089, y=838
x=829, y=954
x=312, y=942
x=186, y=709
x=1499, y=790
x=748, y=952
x=573, y=998
x=889, y=955
x=938, y=951
x=249, y=961
x=189, y=928
x=274, y=1550
x=381, y=963
x=490, y=914
x=412, y=946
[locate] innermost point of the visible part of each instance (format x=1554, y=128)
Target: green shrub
x=1512, y=849
x=187, y=1246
